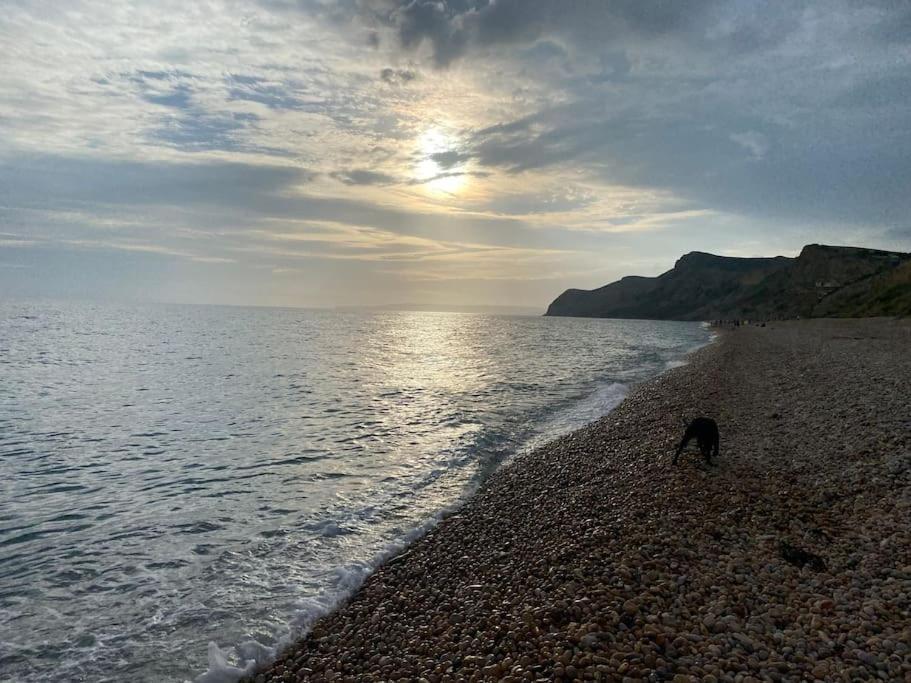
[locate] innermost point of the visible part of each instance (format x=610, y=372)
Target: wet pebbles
x=595, y=559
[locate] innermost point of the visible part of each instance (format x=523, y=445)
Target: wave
x=232, y=494
x=251, y=655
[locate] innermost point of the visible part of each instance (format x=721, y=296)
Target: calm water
x=174, y=475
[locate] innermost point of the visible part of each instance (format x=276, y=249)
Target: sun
x=439, y=174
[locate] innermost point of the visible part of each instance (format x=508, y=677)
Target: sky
x=441, y=152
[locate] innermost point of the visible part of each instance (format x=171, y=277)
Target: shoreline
x=252, y=656
x=591, y=557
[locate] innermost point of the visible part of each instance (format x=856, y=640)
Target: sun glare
x=437, y=172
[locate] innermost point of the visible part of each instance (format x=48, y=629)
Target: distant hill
x=822, y=281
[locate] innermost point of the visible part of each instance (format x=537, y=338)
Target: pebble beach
x=593, y=558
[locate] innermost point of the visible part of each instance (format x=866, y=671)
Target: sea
x=185, y=489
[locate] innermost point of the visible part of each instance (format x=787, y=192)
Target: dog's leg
x=705, y=447
x=683, y=443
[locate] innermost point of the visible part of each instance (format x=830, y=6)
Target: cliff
x=823, y=281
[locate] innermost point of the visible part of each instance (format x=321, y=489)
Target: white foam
x=220, y=671
x=593, y=407
x=251, y=655
x=713, y=336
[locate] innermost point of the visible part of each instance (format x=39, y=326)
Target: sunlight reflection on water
x=173, y=475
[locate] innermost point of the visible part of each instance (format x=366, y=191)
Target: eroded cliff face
x=821, y=281
x=885, y=293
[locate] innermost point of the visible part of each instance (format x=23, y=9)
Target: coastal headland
x=592, y=558
x=821, y=282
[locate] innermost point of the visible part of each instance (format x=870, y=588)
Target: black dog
x=705, y=431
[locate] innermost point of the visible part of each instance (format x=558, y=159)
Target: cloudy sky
x=312, y=152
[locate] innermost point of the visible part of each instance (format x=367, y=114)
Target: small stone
x=825, y=606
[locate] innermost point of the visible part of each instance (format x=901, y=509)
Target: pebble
x=593, y=558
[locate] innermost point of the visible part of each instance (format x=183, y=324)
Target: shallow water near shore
x=175, y=475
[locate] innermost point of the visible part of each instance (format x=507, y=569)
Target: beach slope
x=594, y=558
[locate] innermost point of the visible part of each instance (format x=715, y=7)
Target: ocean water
x=175, y=476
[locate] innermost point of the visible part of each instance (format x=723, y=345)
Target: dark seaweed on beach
x=800, y=558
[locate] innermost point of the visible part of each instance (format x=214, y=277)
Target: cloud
x=141, y=247
x=440, y=23
x=448, y=174
x=199, y=132
x=192, y=208
x=755, y=143
x=12, y=241
x=54, y=182
x=599, y=130
x=340, y=241
x=167, y=88
x=451, y=28
x=363, y=177
x=397, y=76
x=448, y=159
x=542, y=202
x=179, y=97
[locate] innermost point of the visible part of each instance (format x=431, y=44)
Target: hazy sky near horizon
x=308, y=152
